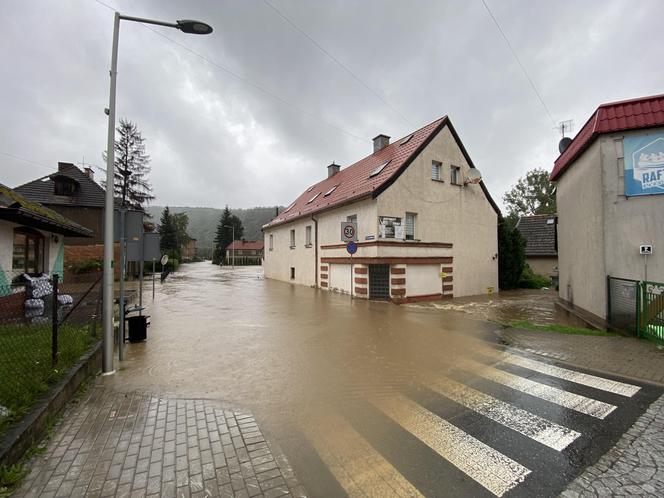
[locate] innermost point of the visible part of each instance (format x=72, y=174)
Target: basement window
x=330, y=191
x=313, y=198
x=380, y=168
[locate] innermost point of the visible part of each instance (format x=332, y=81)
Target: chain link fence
x=45, y=326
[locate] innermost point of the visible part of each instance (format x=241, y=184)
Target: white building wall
x=282, y=257
x=582, y=276
x=339, y=278
x=423, y=280
x=461, y=215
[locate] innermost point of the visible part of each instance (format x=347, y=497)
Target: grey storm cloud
x=253, y=113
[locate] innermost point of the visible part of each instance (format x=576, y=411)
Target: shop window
x=390, y=227
x=28, y=253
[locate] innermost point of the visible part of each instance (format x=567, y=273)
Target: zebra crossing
x=555, y=414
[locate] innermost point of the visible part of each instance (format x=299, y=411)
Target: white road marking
x=576, y=402
x=537, y=428
x=355, y=464
x=488, y=467
x=601, y=383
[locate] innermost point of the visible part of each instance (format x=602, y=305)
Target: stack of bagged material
x=37, y=289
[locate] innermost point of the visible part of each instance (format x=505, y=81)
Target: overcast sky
x=216, y=138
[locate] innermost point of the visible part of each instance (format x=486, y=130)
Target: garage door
x=379, y=281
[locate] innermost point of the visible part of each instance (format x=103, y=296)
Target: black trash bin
x=138, y=328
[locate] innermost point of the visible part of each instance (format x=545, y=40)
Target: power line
x=337, y=61
x=26, y=160
x=523, y=69
x=246, y=81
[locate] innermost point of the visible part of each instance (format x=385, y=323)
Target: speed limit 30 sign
x=348, y=231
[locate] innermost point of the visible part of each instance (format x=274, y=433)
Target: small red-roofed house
x=426, y=224
x=609, y=196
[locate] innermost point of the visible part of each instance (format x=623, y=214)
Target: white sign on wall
x=645, y=249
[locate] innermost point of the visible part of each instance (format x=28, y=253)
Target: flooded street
x=368, y=398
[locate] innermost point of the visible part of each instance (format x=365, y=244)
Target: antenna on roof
x=565, y=127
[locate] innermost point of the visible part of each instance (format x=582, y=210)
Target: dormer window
x=64, y=187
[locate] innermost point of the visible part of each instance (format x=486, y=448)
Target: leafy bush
x=87, y=266
x=530, y=280
x=511, y=255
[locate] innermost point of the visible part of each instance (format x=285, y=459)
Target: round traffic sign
x=351, y=247
x=349, y=231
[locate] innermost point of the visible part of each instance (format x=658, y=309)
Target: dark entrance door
x=379, y=281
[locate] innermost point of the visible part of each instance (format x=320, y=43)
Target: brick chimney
x=89, y=173
x=333, y=169
x=65, y=166
x=380, y=142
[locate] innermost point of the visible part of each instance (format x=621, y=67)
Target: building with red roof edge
x=245, y=252
x=426, y=226
x=609, y=186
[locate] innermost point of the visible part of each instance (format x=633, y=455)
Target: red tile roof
x=644, y=112
x=354, y=182
x=246, y=244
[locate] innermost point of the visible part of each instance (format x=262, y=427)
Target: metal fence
x=45, y=327
x=651, y=311
x=623, y=298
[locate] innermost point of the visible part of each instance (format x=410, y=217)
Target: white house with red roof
x=426, y=224
x=609, y=193
x=245, y=252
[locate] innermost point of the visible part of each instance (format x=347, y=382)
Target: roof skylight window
x=380, y=168
x=313, y=198
x=311, y=188
x=550, y=221
x=330, y=191
x=289, y=208
x=407, y=139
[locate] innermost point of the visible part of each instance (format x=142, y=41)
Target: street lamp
x=233, y=250
x=186, y=26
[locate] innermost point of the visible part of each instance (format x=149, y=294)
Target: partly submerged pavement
x=251, y=387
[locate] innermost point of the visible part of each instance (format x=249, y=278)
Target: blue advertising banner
x=644, y=164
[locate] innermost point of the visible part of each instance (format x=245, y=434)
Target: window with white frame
x=292, y=238
x=455, y=175
x=436, y=168
x=307, y=236
x=410, y=225
x=271, y=242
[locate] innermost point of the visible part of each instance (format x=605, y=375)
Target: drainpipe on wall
x=315, y=247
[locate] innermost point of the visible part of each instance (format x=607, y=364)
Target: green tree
x=168, y=241
x=532, y=194
x=132, y=166
x=224, y=234
x=181, y=223
x=511, y=255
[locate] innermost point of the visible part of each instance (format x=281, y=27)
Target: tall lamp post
x=186, y=26
x=233, y=250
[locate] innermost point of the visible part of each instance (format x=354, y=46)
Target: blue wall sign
x=644, y=164
x=351, y=248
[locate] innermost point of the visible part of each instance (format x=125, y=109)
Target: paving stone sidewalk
x=132, y=444
x=634, y=467
x=624, y=356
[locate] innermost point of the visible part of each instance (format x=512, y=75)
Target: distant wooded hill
x=203, y=222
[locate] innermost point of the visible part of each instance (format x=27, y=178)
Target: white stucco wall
x=545, y=266
x=339, y=278
x=282, y=257
x=423, y=280
x=461, y=215
x=580, y=234
x=629, y=222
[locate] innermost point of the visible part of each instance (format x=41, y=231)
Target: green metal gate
x=650, y=311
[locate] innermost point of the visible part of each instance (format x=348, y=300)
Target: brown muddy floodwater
x=297, y=357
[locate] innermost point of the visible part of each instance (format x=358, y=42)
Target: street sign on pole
x=348, y=231
x=645, y=249
x=351, y=247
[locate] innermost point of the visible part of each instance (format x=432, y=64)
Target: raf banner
x=644, y=164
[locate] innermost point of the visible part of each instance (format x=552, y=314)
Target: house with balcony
x=426, y=224
x=245, y=252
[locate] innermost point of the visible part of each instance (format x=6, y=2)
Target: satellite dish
x=564, y=143
x=473, y=176
x=164, y=259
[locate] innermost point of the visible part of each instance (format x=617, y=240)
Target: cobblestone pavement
x=626, y=356
x=634, y=467
x=131, y=444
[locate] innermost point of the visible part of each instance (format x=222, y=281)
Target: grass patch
x=561, y=329
x=26, y=369
x=10, y=478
